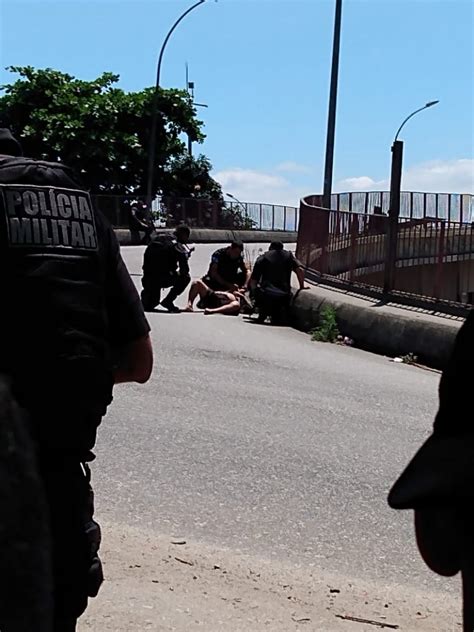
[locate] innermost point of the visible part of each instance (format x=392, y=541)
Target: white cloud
x=280, y=184
x=290, y=166
x=437, y=176
x=251, y=185
x=360, y=183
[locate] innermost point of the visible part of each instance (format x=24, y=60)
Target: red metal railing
x=434, y=257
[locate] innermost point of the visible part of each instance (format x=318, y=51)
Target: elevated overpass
x=434, y=254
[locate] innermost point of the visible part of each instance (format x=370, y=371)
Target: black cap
x=8, y=143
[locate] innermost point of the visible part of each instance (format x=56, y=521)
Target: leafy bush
x=327, y=331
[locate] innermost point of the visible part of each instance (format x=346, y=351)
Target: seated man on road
x=271, y=282
x=228, y=270
x=213, y=302
x=165, y=264
x=139, y=222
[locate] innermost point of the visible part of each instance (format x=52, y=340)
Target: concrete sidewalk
x=388, y=329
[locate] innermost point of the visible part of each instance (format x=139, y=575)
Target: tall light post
x=241, y=204
x=232, y=197
x=190, y=85
x=395, y=195
x=331, y=131
x=154, y=123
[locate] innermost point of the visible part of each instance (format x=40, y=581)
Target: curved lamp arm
x=154, y=123
x=428, y=105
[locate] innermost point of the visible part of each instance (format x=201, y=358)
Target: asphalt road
x=256, y=439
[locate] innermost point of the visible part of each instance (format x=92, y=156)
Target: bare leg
x=198, y=288
x=231, y=308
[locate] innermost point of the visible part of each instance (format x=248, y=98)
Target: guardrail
x=203, y=213
x=455, y=207
x=434, y=257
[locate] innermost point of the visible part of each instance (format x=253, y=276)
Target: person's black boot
x=168, y=304
x=148, y=303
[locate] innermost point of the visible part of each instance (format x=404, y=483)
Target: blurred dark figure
x=139, y=222
x=71, y=326
x=439, y=481
x=165, y=264
x=270, y=283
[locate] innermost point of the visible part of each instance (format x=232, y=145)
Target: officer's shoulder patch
x=47, y=217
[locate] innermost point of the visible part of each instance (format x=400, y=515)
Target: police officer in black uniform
x=271, y=282
x=165, y=265
x=71, y=326
x=139, y=222
x=228, y=271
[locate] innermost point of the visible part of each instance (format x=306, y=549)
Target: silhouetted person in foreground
x=71, y=326
x=439, y=481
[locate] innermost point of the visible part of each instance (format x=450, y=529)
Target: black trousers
x=77, y=571
x=152, y=286
x=277, y=307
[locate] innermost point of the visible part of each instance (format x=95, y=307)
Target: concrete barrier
x=209, y=236
x=385, y=329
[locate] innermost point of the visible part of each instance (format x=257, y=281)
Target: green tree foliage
x=102, y=132
x=190, y=177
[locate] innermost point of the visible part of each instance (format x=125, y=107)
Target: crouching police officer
x=71, y=326
x=165, y=265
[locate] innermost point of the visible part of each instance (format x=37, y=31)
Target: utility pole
x=190, y=86
x=154, y=112
x=331, y=130
x=394, y=210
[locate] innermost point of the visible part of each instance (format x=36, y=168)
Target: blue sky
x=263, y=68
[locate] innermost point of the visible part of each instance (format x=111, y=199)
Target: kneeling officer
x=165, y=264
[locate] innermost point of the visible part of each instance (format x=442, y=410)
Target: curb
x=380, y=329
x=210, y=236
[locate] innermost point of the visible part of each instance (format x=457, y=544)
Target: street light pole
x=154, y=123
x=190, y=85
x=395, y=195
x=241, y=204
x=331, y=131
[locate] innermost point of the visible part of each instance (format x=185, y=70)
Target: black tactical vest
x=53, y=322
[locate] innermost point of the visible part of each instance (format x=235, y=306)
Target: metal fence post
x=354, y=234
x=117, y=212
x=394, y=214
x=214, y=214
x=440, y=258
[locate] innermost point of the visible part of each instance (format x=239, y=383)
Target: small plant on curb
x=410, y=358
x=327, y=331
